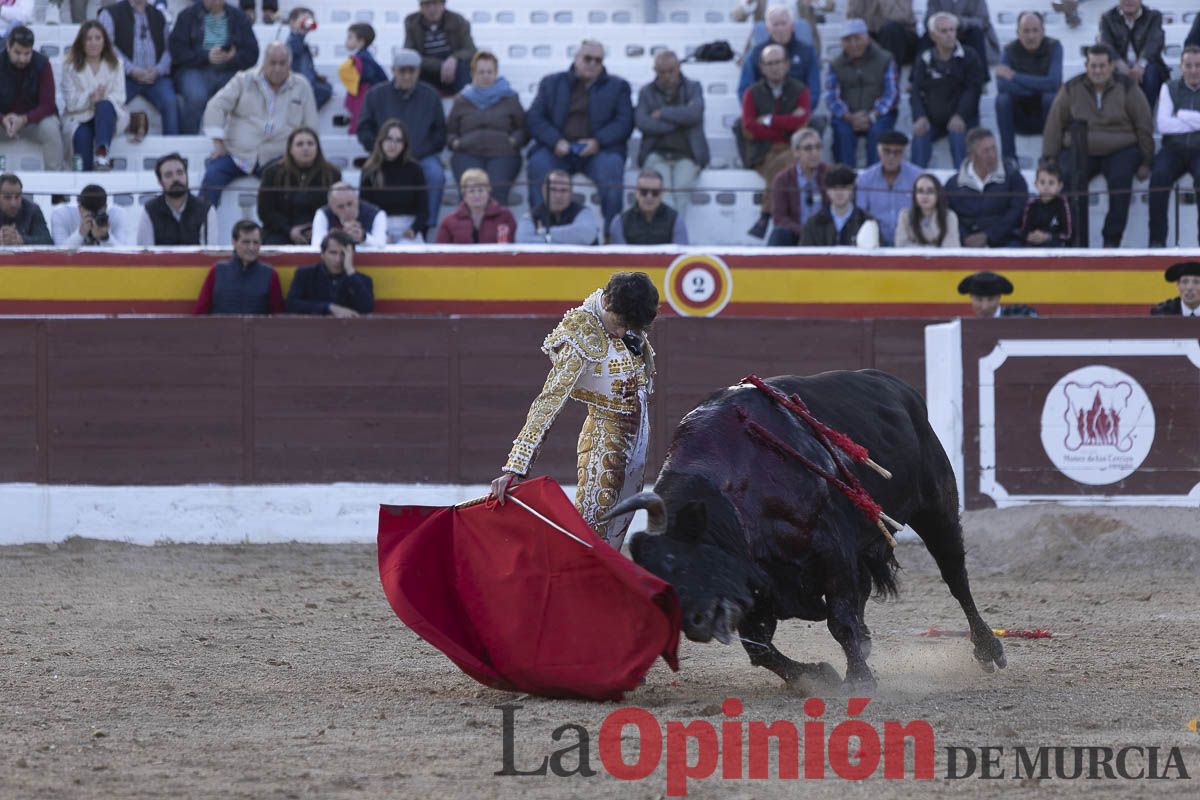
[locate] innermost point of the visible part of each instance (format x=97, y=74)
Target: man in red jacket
x=772, y=110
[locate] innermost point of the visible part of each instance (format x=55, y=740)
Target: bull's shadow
x=749, y=535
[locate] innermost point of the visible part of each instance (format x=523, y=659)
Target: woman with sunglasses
x=929, y=222
x=600, y=356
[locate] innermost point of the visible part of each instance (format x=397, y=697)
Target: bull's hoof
x=810, y=679
x=990, y=651
x=859, y=683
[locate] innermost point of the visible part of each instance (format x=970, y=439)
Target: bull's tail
x=881, y=565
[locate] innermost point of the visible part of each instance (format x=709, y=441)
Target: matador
x=600, y=356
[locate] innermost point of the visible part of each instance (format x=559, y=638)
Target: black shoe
x=759, y=231
x=1112, y=244
x=1157, y=245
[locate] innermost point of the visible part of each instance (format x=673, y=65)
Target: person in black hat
x=1186, y=277
x=985, y=289
x=841, y=222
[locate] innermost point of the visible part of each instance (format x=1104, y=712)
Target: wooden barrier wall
x=384, y=399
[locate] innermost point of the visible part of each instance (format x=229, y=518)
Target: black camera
x=100, y=218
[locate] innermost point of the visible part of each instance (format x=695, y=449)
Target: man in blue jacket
x=803, y=64
x=334, y=286
x=210, y=43
x=987, y=194
x=581, y=121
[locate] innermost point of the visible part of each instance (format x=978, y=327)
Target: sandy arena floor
x=280, y=671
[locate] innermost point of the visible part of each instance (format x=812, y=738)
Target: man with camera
x=89, y=222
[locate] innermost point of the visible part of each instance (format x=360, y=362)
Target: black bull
x=749, y=536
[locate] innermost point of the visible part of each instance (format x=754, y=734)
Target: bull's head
x=715, y=586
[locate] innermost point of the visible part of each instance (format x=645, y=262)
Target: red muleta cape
x=519, y=606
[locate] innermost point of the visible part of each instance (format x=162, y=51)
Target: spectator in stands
x=1186, y=277
x=92, y=93
x=293, y=188
x=443, y=39
x=891, y=24
x=393, y=180
x=772, y=110
x=332, y=287
x=28, y=107
x=670, y=115
x=1070, y=10
x=974, y=26
x=243, y=284
x=21, y=221
x=486, y=127
x=13, y=14
x=252, y=118
x=270, y=10
x=301, y=20
x=479, y=219
x=138, y=32
x=987, y=194
x=210, y=43
x=649, y=220
x=1047, y=218
x=560, y=219
x=581, y=121
x=1120, y=133
x=1027, y=79
x=808, y=15
x=420, y=109
x=90, y=221
x=798, y=192
x=176, y=217
x=841, y=222
x=985, y=289
x=947, y=81
x=861, y=93
x=365, y=223
x=928, y=221
x=1179, y=124
x=803, y=63
x=360, y=71
x=884, y=189
x=1135, y=34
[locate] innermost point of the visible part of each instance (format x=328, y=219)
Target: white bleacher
x=533, y=38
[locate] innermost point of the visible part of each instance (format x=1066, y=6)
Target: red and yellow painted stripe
x=784, y=284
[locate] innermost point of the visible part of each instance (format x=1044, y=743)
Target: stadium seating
x=533, y=38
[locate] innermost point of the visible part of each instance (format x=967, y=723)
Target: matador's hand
x=501, y=485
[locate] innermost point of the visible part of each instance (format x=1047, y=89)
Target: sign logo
x=698, y=285
x=1097, y=425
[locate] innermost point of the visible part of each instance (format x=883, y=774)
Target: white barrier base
x=315, y=513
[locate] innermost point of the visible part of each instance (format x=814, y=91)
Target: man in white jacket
x=251, y=118
x=90, y=222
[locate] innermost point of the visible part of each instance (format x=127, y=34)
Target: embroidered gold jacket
x=588, y=365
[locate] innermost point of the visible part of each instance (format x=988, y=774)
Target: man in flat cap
x=985, y=289
x=1186, y=277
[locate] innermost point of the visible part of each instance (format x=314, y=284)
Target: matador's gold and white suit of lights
x=596, y=369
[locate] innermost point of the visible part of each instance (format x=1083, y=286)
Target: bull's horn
x=656, y=511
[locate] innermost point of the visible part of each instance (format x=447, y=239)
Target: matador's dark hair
x=633, y=296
